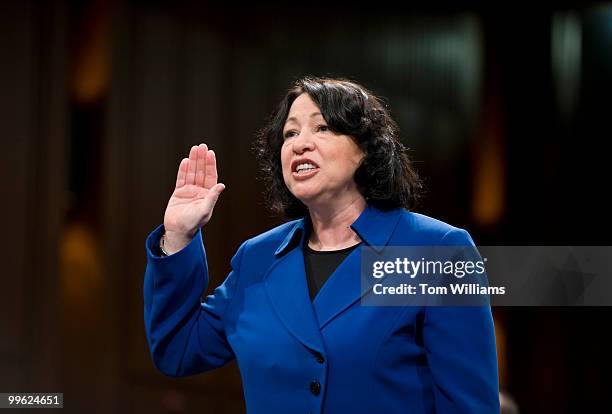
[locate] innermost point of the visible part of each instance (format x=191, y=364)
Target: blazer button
x=315, y=387
x=319, y=358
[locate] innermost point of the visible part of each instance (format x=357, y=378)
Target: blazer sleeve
x=460, y=346
x=186, y=335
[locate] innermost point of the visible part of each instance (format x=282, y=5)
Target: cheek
x=285, y=160
x=352, y=157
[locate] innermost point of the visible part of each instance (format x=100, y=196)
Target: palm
x=195, y=194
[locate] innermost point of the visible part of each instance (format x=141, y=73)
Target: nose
x=303, y=143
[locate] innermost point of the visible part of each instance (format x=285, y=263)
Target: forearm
x=185, y=337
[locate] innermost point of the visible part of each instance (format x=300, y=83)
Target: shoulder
x=257, y=253
x=274, y=235
x=424, y=229
x=271, y=239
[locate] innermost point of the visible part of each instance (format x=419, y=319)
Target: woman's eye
x=323, y=128
x=289, y=134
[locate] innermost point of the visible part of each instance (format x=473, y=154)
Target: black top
x=320, y=265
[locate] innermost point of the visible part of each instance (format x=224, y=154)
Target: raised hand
x=193, y=200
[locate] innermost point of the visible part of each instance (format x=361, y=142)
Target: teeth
x=305, y=167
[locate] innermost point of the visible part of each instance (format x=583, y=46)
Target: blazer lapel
x=340, y=291
x=343, y=288
x=287, y=289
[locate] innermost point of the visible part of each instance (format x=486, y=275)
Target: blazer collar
x=295, y=237
x=373, y=226
x=287, y=288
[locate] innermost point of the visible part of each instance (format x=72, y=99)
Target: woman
x=289, y=311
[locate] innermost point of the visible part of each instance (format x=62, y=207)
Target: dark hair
x=385, y=178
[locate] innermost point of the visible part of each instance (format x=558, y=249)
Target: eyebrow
x=294, y=119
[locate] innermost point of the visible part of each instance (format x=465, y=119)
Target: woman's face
x=318, y=164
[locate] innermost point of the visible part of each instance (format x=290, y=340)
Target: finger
x=193, y=157
x=182, y=173
x=211, y=170
x=201, y=165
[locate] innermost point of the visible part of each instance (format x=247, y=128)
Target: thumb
x=218, y=189
x=210, y=201
x=214, y=194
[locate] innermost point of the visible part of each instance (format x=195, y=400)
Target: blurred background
x=506, y=107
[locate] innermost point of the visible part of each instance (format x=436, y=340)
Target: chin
x=305, y=195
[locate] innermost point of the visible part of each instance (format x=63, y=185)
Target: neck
x=331, y=225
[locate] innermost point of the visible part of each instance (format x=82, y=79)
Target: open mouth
x=304, y=168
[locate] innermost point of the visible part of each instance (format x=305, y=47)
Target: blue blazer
x=331, y=355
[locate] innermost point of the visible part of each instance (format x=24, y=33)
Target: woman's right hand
x=193, y=200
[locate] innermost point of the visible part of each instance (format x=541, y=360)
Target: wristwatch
x=164, y=253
